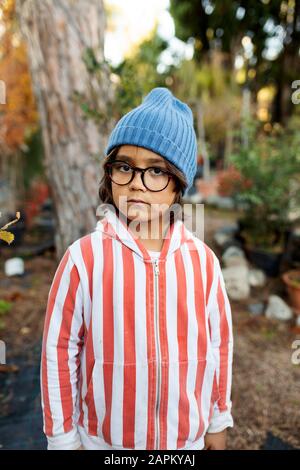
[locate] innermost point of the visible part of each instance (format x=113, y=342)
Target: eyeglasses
x=154, y=178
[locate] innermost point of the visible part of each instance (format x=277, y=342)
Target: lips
x=137, y=201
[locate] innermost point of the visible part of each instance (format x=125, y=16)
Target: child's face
x=141, y=157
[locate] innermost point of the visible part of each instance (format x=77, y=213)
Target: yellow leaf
x=6, y=236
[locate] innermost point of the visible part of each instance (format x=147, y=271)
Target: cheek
x=117, y=193
x=165, y=200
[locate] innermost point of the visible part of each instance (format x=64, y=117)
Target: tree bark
x=202, y=141
x=58, y=34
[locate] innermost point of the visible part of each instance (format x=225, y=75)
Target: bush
x=269, y=164
x=231, y=182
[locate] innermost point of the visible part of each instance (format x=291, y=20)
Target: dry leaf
x=8, y=237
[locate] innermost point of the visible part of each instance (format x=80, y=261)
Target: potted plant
x=269, y=188
x=292, y=282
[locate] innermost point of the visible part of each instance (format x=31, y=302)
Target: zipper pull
x=156, y=267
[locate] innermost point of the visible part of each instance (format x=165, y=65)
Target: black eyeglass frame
x=141, y=170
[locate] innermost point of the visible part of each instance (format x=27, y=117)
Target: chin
x=140, y=215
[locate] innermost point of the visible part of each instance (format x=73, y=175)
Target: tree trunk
x=246, y=113
x=59, y=33
x=202, y=141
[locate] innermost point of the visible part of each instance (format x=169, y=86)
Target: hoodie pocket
x=116, y=399
x=188, y=400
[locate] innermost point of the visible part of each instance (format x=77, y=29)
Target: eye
x=123, y=167
x=156, y=171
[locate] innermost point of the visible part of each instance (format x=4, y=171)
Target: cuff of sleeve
x=220, y=421
x=64, y=441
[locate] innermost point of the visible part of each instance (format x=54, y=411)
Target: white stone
x=14, y=266
x=236, y=282
x=234, y=256
x=221, y=238
x=278, y=309
x=257, y=278
x=233, y=251
x=235, y=261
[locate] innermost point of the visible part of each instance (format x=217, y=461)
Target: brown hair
x=105, y=192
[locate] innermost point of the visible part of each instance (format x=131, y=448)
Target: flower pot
x=293, y=288
x=268, y=261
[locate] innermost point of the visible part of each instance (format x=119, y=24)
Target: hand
x=216, y=440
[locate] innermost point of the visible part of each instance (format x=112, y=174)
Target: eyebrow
x=130, y=159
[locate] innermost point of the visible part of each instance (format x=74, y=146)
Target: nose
x=137, y=182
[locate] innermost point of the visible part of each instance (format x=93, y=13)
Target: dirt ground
x=265, y=386
x=265, y=383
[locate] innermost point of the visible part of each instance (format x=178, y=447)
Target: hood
x=114, y=227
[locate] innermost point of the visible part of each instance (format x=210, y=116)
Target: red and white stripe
x=99, y=364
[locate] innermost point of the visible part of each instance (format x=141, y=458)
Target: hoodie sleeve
x=60, y=358
x=220, y=325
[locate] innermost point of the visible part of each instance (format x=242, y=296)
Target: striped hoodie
x=136, y=352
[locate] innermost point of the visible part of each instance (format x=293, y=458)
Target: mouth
x=137, y=201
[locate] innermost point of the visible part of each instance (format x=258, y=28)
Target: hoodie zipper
x=156, y=304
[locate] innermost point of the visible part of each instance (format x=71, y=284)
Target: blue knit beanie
x=163, y=124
